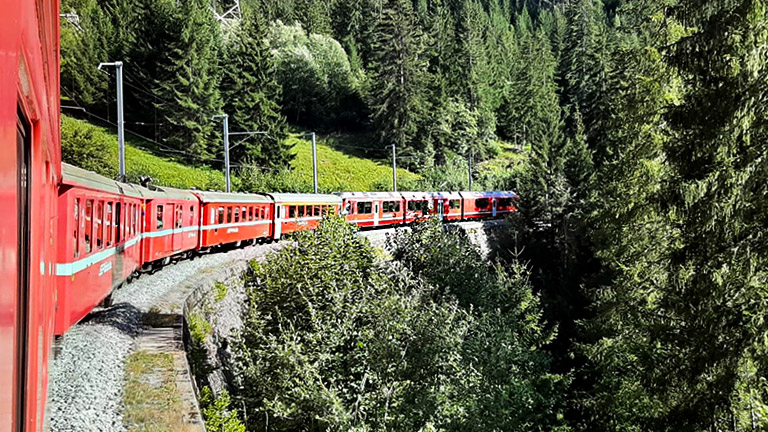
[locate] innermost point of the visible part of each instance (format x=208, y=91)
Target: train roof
x=301, y=198
x=489, y=194
x=80, y=177
x=223, y=197
x=416, y=195
x=446, y=195
x=155, y=192
x=372, y=195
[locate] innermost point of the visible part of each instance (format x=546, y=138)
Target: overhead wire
x=162, y=146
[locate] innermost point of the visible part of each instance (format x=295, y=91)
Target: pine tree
x=399, y=71
x=189, y=83
x=83, y=47
x=250, y=92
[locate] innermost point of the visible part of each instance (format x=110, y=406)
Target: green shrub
x=220, y=291
x=217, y=414
x=336, y=339
x=199, y=327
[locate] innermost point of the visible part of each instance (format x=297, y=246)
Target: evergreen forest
x=637, y=299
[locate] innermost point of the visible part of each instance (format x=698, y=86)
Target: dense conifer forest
x=643, y=222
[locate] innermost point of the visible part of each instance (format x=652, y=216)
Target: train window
x=364, y=207
x=88, y=224
x=191, y=215
x=159, y=217
x=482, y=203
x=291, y=211
x=237, y=214
x=250, y=213
x=301, y=211
x=108, y=227
x=99, y=217
x=390, y=206
x=119, y=234
x=179, y=216
x=454, y=204
x=505, y=202
x=244, y=214
x=221, y=215
x=77, y=229
x=229, y=214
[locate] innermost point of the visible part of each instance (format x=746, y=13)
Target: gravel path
x=86, y=378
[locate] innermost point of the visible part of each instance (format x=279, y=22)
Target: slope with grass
x=341, y=171
x=95, y=148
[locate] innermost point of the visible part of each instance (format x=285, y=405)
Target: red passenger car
x=483, y=205
x=171, y=225
x=447, y=205
x=418, y=206
x=99, y=232
x=29, y=174
x=234, y=218
x=299, y=212
x=373, y=209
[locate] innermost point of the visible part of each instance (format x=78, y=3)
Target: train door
x=278, y=220
x=178, y=223
x=440, y=209
x=23, y=176
x=376, y=215
x=493, y=211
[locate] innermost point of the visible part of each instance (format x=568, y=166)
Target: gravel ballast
x=86, y=378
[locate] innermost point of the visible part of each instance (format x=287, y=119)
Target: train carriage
x=100, y=229
x=29, y=174
x=373, y=209
x=447, y=205
x=171, y=225
x=418, y=206
x=299, y=212
x=234, y=218
x=484, y=205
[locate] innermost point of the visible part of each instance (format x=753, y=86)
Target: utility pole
x=394, y=169
x=469, y=165
x=225, y=124
x=120, y=121
x=227, y=134
x=314, y=160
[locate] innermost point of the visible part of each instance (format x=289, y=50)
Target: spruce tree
x=189, y=83
x=399, y=71
x=249, y=93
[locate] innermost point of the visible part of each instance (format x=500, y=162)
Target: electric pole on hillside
x=394, y=169
x=469, y=165
x=227, y=134
x=314, y=160
x=120, y=121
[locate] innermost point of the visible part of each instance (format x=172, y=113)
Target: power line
x=162, y=146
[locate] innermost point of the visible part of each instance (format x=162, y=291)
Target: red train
x=112, y=231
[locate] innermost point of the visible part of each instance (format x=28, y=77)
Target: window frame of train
x=487, y=206
x=454, y=204
x=364, y=207
x=159, y=223
x=390, y=206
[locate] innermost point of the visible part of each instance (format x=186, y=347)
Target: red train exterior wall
x=29, y=85
x=173, y=237
x=219, y=227
x=90, y=266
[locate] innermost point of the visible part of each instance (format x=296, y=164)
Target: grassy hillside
x=95, y=148
x=338, y=171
